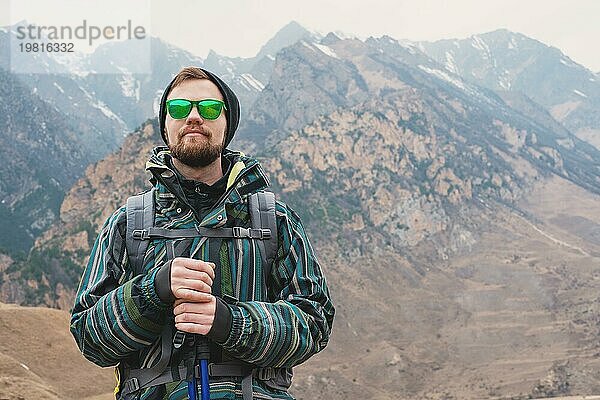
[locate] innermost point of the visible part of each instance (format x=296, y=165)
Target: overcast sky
x=241, y=27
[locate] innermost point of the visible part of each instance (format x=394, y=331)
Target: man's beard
x=194, y=153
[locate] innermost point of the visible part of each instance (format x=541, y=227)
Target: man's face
x=193, y=140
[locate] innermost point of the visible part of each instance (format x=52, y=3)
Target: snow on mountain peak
x=344, y=35
x=248, y=79
x=60, y=89
x=327, y=50
x=130, y=87
x=456, y=81
x=480, y=44
x=451, y=63
x=408, y=45
x=321, y=47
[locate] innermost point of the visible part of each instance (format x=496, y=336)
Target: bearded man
x=204, y=285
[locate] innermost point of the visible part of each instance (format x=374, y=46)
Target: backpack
x=140, y=228
x=140, y=231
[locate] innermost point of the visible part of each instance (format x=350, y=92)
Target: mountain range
x=451, y=197
x=100, y=110
x=505, y=61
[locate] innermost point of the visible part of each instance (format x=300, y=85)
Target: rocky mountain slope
x=313, y=80
x=40, y=152
x=52, y=269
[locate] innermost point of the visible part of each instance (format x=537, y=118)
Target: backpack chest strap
x=235, y=232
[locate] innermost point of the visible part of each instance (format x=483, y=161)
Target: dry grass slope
x=40, y=360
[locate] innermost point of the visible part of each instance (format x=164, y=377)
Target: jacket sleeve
x=115, y=313
x=298, y=323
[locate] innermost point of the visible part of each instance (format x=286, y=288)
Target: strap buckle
x=178, y=339
x=265, y=233
x=140, y=234
x=211, y=369
x=131, y=385
x=239, y=232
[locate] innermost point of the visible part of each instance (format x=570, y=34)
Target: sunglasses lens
x=179, y=108
x=210, y=109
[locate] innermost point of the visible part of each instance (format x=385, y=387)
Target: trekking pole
x=203, y=354
x=179, y=340
x=192, y=389
x=201, y=366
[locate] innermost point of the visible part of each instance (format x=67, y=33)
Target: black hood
x=231, y=103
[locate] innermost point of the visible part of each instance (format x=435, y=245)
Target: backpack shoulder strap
x=140, y=215
x=262, y=215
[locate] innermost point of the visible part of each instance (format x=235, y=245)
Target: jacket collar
x=246, y=177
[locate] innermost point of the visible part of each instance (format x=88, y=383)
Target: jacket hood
x=246, y=177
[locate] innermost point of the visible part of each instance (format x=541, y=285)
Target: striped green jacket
x=118, y=316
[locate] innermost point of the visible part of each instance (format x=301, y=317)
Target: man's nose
x=194, y=116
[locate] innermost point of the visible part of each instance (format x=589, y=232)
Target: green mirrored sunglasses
x=207, y=108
